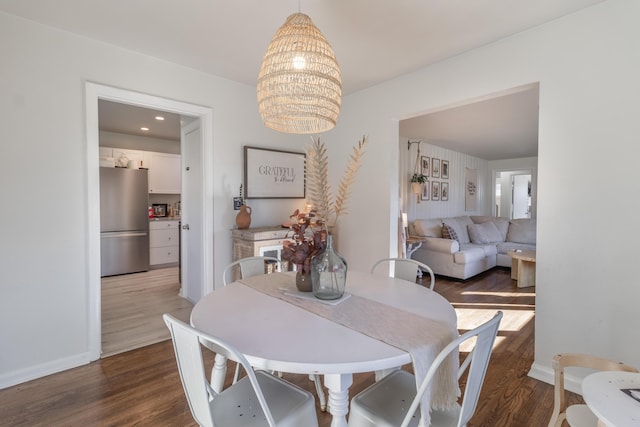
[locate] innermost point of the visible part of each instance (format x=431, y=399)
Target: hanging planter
x=418, y=180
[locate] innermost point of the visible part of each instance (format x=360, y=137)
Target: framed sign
x=273, y=174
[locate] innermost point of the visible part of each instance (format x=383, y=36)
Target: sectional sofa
x=464, y=246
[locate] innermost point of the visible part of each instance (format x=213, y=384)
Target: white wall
x=43, y=256
x=586, y=64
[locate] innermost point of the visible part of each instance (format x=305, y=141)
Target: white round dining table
x=614, y=397
x=276, y=335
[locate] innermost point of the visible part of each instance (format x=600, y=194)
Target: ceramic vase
x=303, y=282
x=328, y=273
x=243, y=219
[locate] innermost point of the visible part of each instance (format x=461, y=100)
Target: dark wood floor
x=141, y=387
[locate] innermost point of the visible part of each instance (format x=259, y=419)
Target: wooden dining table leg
x=338, y=401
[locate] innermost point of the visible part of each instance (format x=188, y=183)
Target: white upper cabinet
x=164, y=172
x=106, y=152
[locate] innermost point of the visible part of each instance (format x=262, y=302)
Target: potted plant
x=417, y=181
x=307, y=240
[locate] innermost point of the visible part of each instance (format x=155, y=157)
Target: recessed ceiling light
x=144, y=129
x=160, y=118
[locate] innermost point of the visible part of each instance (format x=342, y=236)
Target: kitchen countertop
x=165, y=218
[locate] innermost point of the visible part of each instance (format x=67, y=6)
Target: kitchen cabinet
x=165, y=172
x=164, y=242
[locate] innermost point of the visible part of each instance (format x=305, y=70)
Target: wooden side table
x=523, y=268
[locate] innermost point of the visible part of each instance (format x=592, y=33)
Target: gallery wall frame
x=273, y=174
x=425, y=166
x=435, y=167
x=425, y=191
x=444, y=169
x=444, y=191
x=435, y=190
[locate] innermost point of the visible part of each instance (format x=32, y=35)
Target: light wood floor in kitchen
x=132, y=308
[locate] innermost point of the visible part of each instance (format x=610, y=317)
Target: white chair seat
x=238, y=405
x=581, y=416
x=386, y=404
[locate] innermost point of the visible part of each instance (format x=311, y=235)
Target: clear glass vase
x=328, y=273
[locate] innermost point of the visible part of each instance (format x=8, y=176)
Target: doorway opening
x=203, y=205
x=512, y=199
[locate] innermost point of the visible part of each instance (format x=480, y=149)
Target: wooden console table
x=523, y=268
x=259, y=241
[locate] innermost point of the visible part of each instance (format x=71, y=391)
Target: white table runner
x=423, y=338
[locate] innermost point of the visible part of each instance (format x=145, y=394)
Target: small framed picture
x=435, y=167
x=425, y=191
x=444, y=191
x=425, y=166
x=435, y=190
x=444, y=169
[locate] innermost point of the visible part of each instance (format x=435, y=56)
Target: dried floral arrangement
x=310, y=229
x=318, y=190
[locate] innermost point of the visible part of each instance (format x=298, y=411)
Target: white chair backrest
x=477, y=362
x=186, y=344
x=406, y=269
x=251, y=266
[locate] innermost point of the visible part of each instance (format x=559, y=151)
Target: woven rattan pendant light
x=299, y=84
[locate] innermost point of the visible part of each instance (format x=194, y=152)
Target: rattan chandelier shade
x=299, y=84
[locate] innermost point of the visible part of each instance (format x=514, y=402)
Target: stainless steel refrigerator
x=124, y=220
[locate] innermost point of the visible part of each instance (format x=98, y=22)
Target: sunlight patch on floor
x=512, y=320
x=500, y=294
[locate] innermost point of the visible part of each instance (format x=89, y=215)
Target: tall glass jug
x=328, y=273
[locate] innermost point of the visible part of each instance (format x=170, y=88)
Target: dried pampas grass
x=318, y=189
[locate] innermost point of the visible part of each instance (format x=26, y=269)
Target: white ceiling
x=374, y=40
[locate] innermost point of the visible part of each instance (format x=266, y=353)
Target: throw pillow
x=448, y=232
x=460, y=225
x=484, y=233
x=522, y=231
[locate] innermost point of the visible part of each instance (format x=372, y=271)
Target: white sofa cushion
x=428, y=227
x=483, y=233
x=522, y=231
x=459, y=224
x=501, y=223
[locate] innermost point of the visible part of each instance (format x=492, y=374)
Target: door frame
x=94, y=92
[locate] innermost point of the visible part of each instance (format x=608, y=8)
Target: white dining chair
x=577, y=415
x=386, y=402
x=258, y=399
x=251, y=266
x=407, y=269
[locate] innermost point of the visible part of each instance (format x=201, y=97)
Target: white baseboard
x=27, y=374
x=545, y=373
